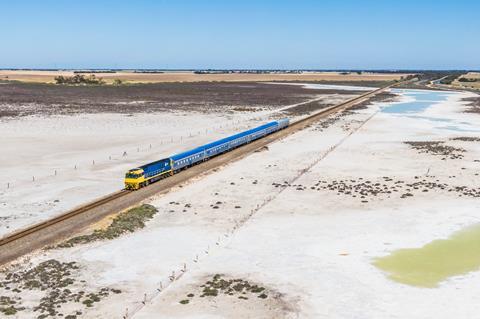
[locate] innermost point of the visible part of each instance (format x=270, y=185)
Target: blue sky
x=240, y=34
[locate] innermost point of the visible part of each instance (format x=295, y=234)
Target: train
x=144, y=175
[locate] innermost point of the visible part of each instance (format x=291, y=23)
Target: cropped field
x=131, y=77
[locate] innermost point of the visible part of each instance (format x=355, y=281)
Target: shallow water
x=436, y=261
x=421, y=101
x=338, y=87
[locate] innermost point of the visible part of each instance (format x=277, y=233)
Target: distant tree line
x=348, y=72
x=210, y=71
x=148, y=71
x=79, y=79
x=94, y=71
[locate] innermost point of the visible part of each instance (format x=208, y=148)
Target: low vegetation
x=449, y=79
x=25, y=99
x=437, y=148
x=468, y=80
x=466, y=139
x=423, y=78
x=79, y=79
x=117, y=82
x=365, y=190
x=8, y=305
x=473, y=104
x=240, y=288
x=56, y=281
x=306, y=108
x=128, y=221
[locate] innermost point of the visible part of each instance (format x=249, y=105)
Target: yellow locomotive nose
x=134, y=179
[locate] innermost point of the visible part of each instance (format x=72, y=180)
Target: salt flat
x=54, y=163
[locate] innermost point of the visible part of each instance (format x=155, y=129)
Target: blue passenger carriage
x=149, y=173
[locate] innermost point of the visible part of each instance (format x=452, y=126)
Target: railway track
x=30, y=230
x=47, y=232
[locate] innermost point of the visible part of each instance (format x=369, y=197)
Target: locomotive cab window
x=132, y=175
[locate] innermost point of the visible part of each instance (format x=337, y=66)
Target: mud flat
x=280, y=234
x=22, y=99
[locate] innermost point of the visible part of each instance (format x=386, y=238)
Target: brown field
x=22, y=99
x=131, y=77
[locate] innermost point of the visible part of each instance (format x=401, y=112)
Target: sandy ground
x=281, y=225
x=48, y=76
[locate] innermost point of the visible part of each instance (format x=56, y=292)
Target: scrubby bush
x=468, y=80
x=79, y=79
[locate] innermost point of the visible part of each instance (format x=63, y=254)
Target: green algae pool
x=436, y=261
